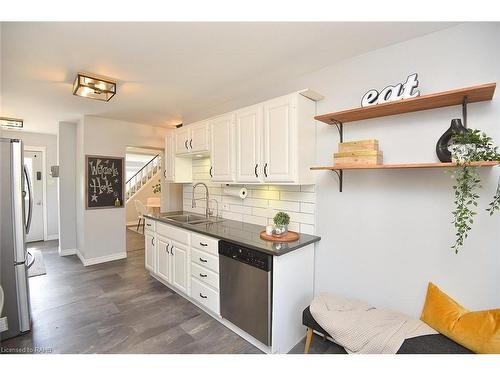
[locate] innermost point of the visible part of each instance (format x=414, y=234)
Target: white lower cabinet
x=190, y=270
x=180, y=266
x=150, y=251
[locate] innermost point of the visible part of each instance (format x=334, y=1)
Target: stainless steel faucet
x=207, y=198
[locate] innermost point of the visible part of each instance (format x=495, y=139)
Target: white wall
x=67, y=187
x=389, y=233
x=50, y=143
x=261, y=204
x=103, y=230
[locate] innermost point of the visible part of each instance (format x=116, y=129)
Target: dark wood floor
x=116, y=307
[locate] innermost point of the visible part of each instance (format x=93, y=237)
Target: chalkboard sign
x=104, y=178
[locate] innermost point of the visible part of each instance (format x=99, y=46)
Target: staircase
x=142, y=176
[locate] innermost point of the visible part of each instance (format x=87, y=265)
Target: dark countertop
x=239, y=233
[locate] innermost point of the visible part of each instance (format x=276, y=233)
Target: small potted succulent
x=281, y=221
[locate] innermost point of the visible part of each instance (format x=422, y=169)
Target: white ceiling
x=170, y=72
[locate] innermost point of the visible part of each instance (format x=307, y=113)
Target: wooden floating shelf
x=404, y=166
x=474, y=94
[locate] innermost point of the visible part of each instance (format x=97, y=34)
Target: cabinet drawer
x=150, y=224
x=173, y=233
x=208, y=244
x=205, y=260
x=205, y=275
x=205, y=295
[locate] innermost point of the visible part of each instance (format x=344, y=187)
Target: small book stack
x=358, y=153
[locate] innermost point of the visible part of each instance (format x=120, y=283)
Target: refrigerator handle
x=29, y=263
x=30, y=199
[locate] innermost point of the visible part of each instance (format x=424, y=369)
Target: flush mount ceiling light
x=94, y=87
x=8, y=122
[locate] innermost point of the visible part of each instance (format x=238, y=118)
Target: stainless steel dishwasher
x=246, y=289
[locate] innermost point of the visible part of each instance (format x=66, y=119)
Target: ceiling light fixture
x=93, y=87
x=8, y=122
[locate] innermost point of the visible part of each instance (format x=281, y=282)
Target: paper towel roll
x=235, y=192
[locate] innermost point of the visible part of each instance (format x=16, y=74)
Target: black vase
x=442, y=151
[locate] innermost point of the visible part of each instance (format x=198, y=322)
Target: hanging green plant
x=469, y=146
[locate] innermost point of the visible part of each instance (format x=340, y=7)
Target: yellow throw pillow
x=477, y=330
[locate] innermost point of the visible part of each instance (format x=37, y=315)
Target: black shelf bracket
x=340, y=175
x=464, y=110
x=340, y=128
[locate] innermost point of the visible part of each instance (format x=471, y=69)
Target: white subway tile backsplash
x=309, y=208
x=255, y=220
x=298, y=196
x=260, y=206
x=265, y=194
x=285, y=205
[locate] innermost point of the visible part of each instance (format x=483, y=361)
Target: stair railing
x=142, y=176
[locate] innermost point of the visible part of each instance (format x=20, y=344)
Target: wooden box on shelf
x=366, y=157
x=364, y=145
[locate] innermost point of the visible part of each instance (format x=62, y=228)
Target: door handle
x=265, y=169
x=202, y=296
x=203, y=260
x=30, y=200
x=256, y=166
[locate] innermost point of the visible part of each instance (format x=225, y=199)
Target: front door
x=33, y=162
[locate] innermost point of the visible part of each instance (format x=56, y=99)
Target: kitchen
x=253, y=222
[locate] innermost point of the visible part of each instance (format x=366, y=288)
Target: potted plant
x=281, y=221
x=157, y=187
x=472, y=145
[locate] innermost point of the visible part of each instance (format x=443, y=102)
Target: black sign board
x=104, y=179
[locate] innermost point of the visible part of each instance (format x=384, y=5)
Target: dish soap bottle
x=117, y=203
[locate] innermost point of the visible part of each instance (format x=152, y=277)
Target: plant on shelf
x=157, y=187
x=469, y=146
x=281, y=221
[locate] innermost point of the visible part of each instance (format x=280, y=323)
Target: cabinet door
x=182, y=138
x=150, y=252
x=222, y=149
x=199, y=141
x=164, y=257
x=279, y=140
x=248, y=144
x=169, y=157
x=179, y=266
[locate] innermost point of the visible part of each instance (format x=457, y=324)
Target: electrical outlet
x=4, y=325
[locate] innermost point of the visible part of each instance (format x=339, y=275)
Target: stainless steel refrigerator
x=15, y=194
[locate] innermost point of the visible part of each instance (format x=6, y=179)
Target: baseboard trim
x=67, y=252
x=51, y=237
x=106, y=258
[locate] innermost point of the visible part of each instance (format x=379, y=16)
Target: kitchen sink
x=191, y=219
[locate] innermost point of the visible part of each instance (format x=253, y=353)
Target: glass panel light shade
x=8, y=122
x=93, y=87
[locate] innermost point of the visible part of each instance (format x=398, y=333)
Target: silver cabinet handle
x=203, y=244
x=166, y=249
x=172, y=250
x=203, y=260
x=152, y=241
x=191, y=143
x=202, y=296
x=203, y=275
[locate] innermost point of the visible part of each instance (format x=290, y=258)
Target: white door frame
x=43, y=150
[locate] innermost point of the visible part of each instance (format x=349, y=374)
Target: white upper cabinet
x=222, y=148
x=248, y=124
x=199, y=141
x=176, y=169
x=192, y=138
x=182, y=138
x=280, y=135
